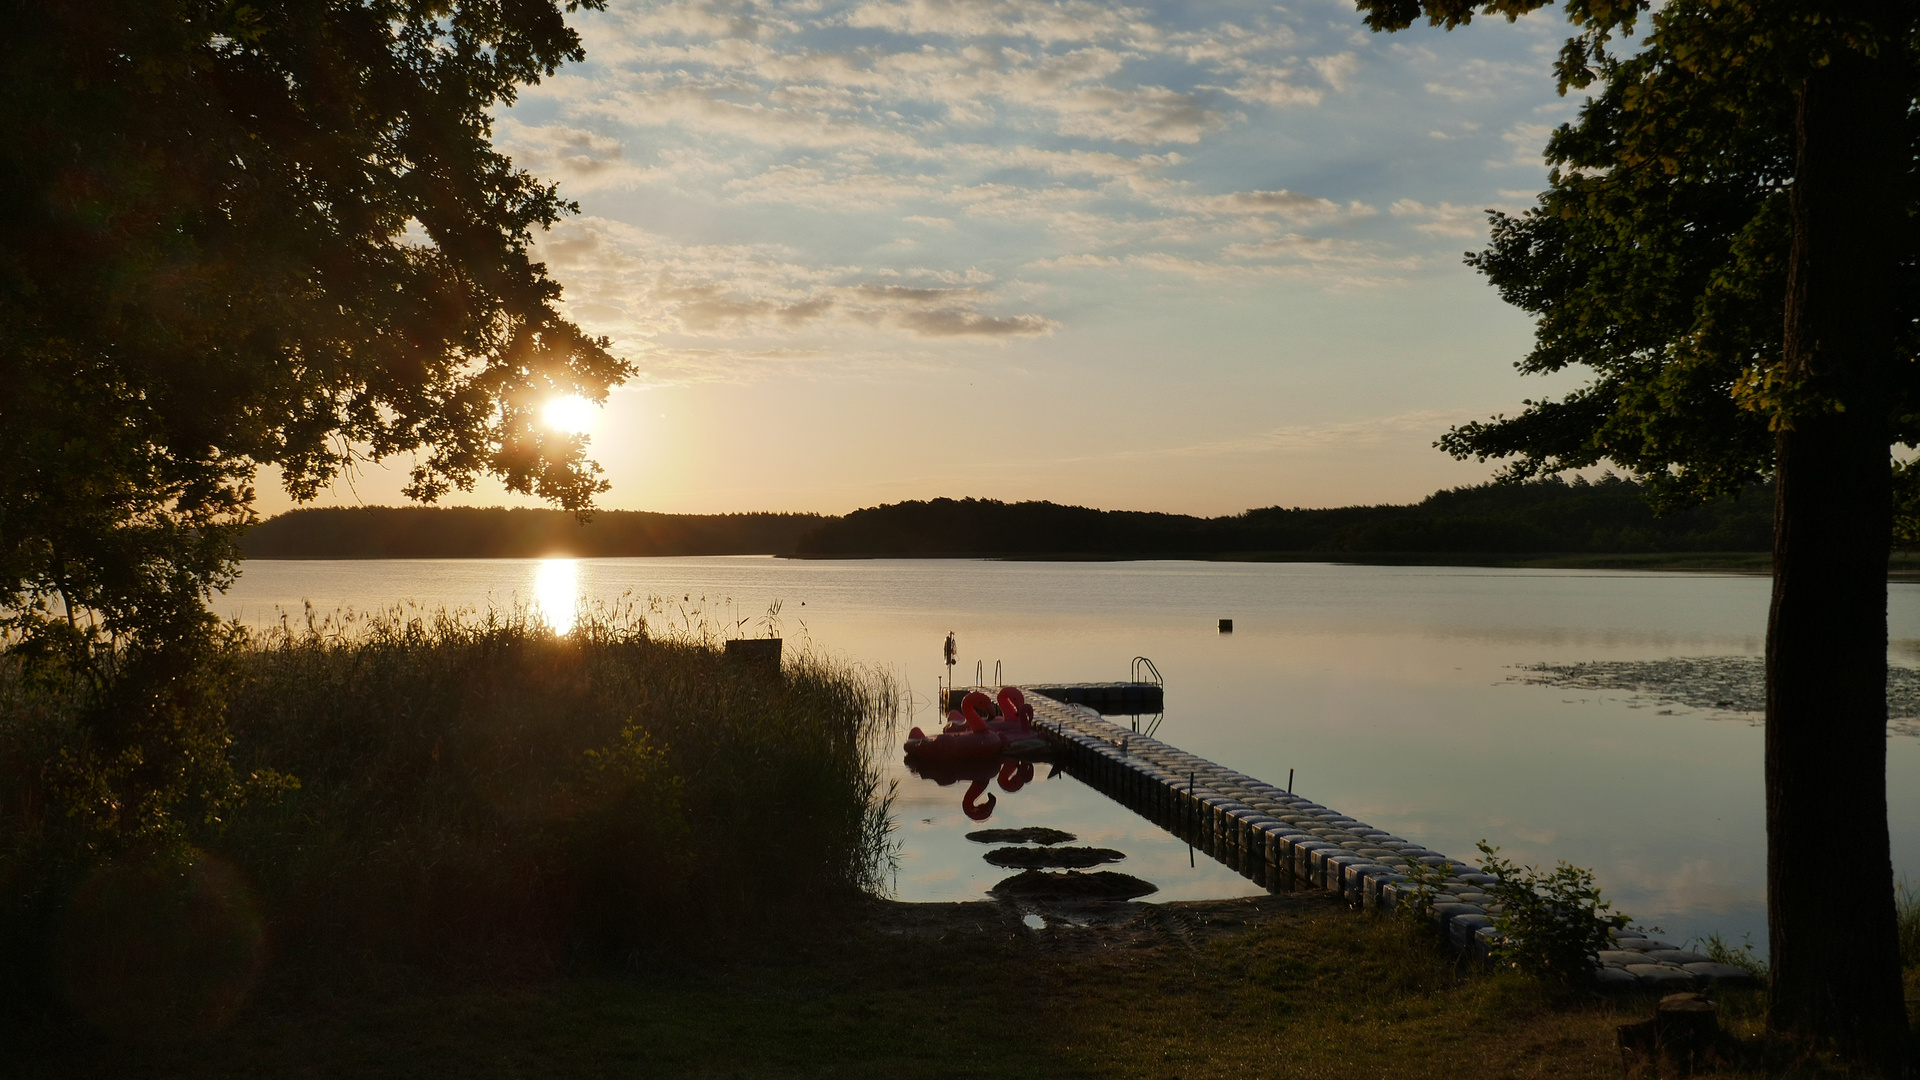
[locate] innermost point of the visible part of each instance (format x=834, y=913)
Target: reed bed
x=477, y=791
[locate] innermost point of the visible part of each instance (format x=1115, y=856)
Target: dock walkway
x=1282, y=841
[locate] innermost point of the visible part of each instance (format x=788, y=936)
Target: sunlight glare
x=572, y=414
x=556, y=593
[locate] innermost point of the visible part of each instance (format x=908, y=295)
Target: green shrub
x=1553, y=925
x=1423, y=884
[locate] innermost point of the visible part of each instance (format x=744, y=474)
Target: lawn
x=1277, y=986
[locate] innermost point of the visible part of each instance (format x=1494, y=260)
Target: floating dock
x=1283, y=842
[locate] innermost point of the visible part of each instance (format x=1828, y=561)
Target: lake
x=1403, y=696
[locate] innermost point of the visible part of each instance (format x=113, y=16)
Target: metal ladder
x=1141, y=663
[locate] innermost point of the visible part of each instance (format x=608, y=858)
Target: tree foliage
x=245, y=234
x=1657, y=257
x=1546, y=515
x=276, y=233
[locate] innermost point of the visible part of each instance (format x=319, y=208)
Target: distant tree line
x=459, y=532
x=1610, y=515
x=1549, y=515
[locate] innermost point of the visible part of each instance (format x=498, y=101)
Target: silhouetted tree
x=1726, y=243
x=236, y=235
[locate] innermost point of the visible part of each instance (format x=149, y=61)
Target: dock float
x=1284, y=842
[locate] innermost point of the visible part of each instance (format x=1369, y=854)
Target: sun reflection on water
x=556, y=593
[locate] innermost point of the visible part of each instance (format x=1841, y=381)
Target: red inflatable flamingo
x=1016, y=716
x=965, y=736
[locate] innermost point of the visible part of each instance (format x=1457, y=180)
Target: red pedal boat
x=977, y=729
x=966, y=736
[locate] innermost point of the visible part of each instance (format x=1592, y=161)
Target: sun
x=572, y=414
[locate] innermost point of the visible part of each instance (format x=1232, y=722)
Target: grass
x=1275, y=987
x=1286, y=986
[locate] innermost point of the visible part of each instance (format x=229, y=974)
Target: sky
x=1192, y=257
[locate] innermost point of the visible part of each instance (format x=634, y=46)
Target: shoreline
x=1903, y=566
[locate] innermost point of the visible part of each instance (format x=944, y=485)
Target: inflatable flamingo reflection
x=1011, y=774
x=977, y=813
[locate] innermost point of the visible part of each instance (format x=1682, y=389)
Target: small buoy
x=1226, y=626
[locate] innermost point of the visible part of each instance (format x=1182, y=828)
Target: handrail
x=1140, y=661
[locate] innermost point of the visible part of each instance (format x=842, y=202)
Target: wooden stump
x=1680, y=1040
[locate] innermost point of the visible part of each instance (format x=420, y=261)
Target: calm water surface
x=1388, y=690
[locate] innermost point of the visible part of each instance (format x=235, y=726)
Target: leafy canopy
x=1657, y=257
x=235, y=235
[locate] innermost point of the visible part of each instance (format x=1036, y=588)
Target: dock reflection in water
x=938, y=862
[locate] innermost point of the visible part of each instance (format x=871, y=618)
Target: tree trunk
x=1836, y=970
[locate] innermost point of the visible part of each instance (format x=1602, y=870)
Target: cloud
x=1480, y=78
x=706, y=109
x=1462, y=129
x=1153, y=115
x=959, y=322
x=920, y=140
x=651, y=294
x=1332, y=266
x=1072, y=20
x=1283, y=203
x=1322, y=250
x=829, y=187
x=581, y=158
x=1528, y=143
x=808, y=97
x=1273, y=86
x=1442, y=219
x=1228, y=46
x=747, y=22
x=1336, y=70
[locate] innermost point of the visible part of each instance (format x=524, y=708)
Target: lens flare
x=556, y=593
x=161, y=948
x=572, y=414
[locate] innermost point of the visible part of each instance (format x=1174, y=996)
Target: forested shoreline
x=1608, y=516
x=461, y=532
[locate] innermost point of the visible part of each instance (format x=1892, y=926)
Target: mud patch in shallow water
x=1072, y=858
x=1070, y=885
x=1032, y=834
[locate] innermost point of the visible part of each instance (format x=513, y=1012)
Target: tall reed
x=476, y=789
